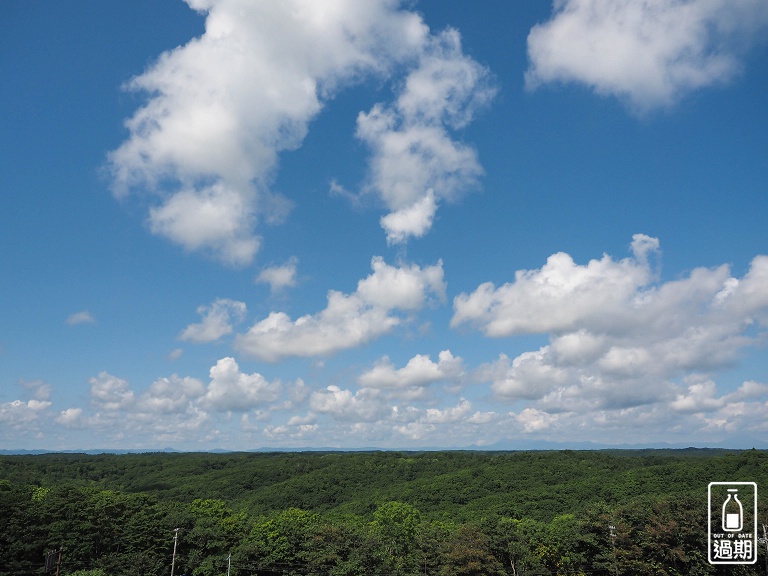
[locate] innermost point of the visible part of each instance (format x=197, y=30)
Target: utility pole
x=229, y=562
x=765, y=538
x=612, y=528
x=51, y=558
x=175, y=541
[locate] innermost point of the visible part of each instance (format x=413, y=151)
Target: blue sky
x=309, y=224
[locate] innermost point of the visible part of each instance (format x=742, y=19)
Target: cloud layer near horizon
x=626, y=351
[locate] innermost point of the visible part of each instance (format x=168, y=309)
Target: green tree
x=285, y=540
x=469, y=554
x=395, y=525
x=433, y=539
x=346, y=547
x=216, y=531
x=21, y=539
x=511, y=542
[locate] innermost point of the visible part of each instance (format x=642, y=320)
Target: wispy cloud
x=175, y=354
x=279, y=277
x=82, y=317
x=217, y=321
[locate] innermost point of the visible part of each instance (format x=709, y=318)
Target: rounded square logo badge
x=732, y=522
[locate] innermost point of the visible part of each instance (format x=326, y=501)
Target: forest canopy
x=377, y=513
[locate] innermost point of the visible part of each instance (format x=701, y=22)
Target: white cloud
x=301, y=420
x=414, y=220
x=617, y=340
x=232, y=390
x=419, y=371
x=349, y=320
x=648, y=52
x=747, y=296
x=449, y=415
x=697, y=415
x=483, y=418
x=20, y=415
x=345, y=323
x=168, y=428
x=291, y=433
x=229, y=390
x=560, y=296
x=175, y=354
x=447, y=86
x=217, y=321
x=533, y=420
x=173, y=409
x=297, y=393
x=459, y=422
x=71, y=418
x=83, y=317
x=406, y=288
x=222, y=107
x=529, y=376
x=171, y=395
x=701, y=396
x=410, y=160
x=733, y=421
x=40, y=389
x=215, y=218
x=414, y=161
x=742, y=411
x=279, y=277
x=362, y=406
x=110, y=393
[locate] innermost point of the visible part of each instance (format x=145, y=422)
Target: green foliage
x=395, y=526
x=286, y=538
x=39, y=493
x=556, y=545
x=469, y=553
x=373, y=514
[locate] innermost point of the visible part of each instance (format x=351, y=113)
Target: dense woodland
x=369, y=513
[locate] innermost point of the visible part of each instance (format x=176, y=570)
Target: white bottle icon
x=733, y=513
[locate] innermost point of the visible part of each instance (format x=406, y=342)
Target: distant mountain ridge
x=742, y=443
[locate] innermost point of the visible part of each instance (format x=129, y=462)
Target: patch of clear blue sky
x=67, y=245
